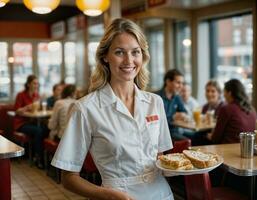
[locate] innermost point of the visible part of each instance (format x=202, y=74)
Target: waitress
x=123, y=127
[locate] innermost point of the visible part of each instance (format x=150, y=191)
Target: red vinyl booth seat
x=50, y=147
x=198, y=187
x=179, y=146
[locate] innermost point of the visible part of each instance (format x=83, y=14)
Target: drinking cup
x=44, y=106
x=35, y=106
x=247, y=144
x=210, y=117
x=197, y=117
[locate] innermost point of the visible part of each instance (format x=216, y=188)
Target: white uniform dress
x=124, y=148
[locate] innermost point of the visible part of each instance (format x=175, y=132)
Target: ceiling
x=68, y=9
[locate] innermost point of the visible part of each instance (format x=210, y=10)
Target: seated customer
x=57, y=90
x=173, y=104
x=24, y=102
x=57, y=121
x=190, y=102
x=236, y=116
x=213, y=97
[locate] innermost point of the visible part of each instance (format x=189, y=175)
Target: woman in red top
x=236, y=116
x=24, y=102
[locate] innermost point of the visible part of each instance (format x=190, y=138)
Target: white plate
x=170, y=172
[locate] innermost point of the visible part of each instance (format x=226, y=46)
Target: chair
x=50, y=147
x=179, y=146
x=198, y=187
x=4, y=122
x=20, y=137
x=89, y=169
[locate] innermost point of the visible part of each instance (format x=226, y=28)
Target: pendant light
x=93, y=7
x=41, y=6
x=3, y=2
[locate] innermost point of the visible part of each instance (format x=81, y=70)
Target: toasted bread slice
x=201, y=159
x=175, y=161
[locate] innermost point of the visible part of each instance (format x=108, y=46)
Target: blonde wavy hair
x=102, y=75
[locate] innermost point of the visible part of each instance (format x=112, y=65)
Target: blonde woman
x=123, y=127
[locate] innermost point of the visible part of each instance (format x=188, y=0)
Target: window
x=183, y=50
x=49, y=64
x=249, y=36
x=155, y=38
x=22, y=65
x=4, y=72
x=234, y=53
x=237, y=37
x=70, y=62
x=95, y=32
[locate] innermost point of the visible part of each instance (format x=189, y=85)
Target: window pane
x=95, y=32
x=234, y=50
x=49, y=63
x=70, y=62
x=22, y=65
x=183, y=50
x=4, y=72
x=155, y=37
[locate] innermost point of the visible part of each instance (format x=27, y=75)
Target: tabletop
x=232, y=159
x=9, y=149
x=191, y=125
x=37, y=114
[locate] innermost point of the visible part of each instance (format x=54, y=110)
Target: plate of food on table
x=188, y=162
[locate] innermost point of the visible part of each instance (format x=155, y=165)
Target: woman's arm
x=73, y=182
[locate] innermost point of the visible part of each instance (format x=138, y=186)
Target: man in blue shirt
x=173, y=104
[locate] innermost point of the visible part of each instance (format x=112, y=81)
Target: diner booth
x=204, y=40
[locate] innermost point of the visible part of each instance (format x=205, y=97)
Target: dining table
x=8, y=150
x=37, y=116
x=234, y=163
x=189, y=124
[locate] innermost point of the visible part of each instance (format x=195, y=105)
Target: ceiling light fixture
x=3, y=2
x=41, y=6
x=93, y=7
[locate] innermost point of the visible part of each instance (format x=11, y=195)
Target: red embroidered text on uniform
x=152, y=118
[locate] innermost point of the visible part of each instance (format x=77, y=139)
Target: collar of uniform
x=108, y=97
x=140, y=95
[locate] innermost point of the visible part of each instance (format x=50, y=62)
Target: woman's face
x=33, y=85
x=125, y=58
x=212, y=94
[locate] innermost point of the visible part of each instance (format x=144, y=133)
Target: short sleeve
x=75, y=142
x=165, y=142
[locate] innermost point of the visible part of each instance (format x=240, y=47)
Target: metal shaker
x=247, y=140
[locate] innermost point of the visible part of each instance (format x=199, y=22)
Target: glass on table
x=35, y=106
x=197, y=116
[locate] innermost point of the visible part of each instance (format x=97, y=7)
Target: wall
x=31, y=30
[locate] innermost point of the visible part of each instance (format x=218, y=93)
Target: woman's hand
x=180, y=116
x=209, y=136
x=112, y=194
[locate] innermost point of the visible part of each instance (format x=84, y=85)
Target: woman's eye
x=119, y=53
x=136, y=53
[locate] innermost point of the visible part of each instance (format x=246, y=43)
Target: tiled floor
x=32, y=183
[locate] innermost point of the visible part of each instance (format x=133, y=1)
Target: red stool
x=50, y=147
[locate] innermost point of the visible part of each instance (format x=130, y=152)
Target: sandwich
x=201, y=159
x=175, y=161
